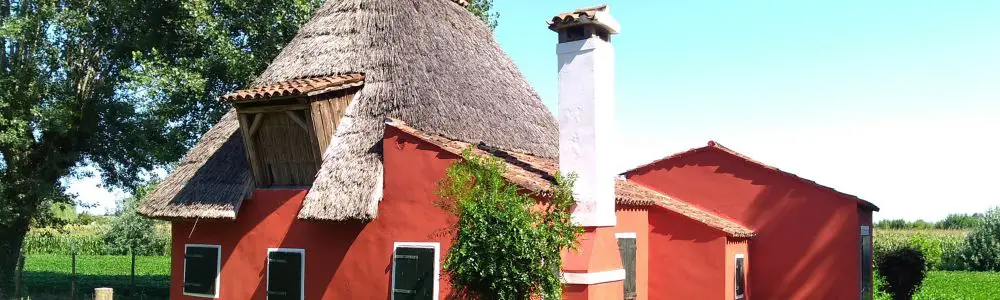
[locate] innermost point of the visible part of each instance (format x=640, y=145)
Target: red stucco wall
x=344, y=260
x=635, y=219
x=352, y=259
x=735, y=247
x=807, y=242
x=687, y=258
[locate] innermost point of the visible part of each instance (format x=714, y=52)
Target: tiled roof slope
x=296, y=87
x=536, y=174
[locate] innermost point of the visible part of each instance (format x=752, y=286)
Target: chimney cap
x=596, y=15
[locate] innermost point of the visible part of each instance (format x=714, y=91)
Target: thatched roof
x=210, y=182
x=430, y=62
x=536, y=174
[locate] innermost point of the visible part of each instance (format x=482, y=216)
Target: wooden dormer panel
x=285, y=133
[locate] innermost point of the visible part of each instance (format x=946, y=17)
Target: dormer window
x=287, y=126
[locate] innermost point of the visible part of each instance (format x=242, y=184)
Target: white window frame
x=218, y=270
x=437, y=263
x=302, y=269
x=736, y=258
x=625, y=235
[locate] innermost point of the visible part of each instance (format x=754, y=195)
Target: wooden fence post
x=72, y=282
x=131, y=284
x=104, y=294
x=18, y=278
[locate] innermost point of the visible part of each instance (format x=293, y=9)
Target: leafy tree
x=960, y=221
x=901, y=271
x=481, y=8
x=123, y=86
x=505, y=246
x=131, y=232
x=982, y=246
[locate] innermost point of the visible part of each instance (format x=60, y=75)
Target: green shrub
x=942, y=246
x=902, y=272
x=982, y=247
x=505, y=247
x=930, y=247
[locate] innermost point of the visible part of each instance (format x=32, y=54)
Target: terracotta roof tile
x=296, y=87
x=576, y=15
x=589, y=15
x=713, y=145
x=537, y=174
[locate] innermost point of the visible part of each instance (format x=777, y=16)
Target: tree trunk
x=11, y=240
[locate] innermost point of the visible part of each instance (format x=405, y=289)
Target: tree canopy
x=123, y=86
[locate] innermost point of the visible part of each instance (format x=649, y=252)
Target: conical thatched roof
x=429, y=62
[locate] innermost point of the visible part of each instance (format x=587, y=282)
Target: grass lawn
x=941, y=285
x=48, y=276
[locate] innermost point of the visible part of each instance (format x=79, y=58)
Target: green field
x=48, y=276
x=941, y=285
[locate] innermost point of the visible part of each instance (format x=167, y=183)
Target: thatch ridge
x=210, y=182
x=430, y=62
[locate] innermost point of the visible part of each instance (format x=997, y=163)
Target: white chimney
x=587, y=110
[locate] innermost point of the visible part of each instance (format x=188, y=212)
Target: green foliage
x=940, y=285
x=120, y=86
x=952, y=221
x=902, y=272
x=84, y=218
x=48, y=276
x=960, y=221
x=507, y=246
x=130, y=232
x=481, y=8
x=90, y=240
x=982, y=246
x=930, y=247
x=941, y=246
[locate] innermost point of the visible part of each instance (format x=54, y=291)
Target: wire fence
x=60, y=276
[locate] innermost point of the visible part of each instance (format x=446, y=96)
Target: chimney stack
x=586, y=110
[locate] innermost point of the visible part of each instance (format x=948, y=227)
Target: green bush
x=505, y=247
x=941, y=246
x=931, y=248
x=902, y=271
x=982, y=247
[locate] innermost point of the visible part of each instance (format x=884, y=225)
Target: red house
x=320, y=183
x=812, y=242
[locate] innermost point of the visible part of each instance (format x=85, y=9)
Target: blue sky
x=897, y=102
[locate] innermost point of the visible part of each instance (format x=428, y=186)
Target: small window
x=626, y=249
x=415, y=271
x=201, y=270
x=285, y=274
x=741, y=282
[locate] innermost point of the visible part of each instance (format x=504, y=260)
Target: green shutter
x=740, y=279
x=413, y=274
x=626, y=248
x=284, y=275
x=200, y=269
